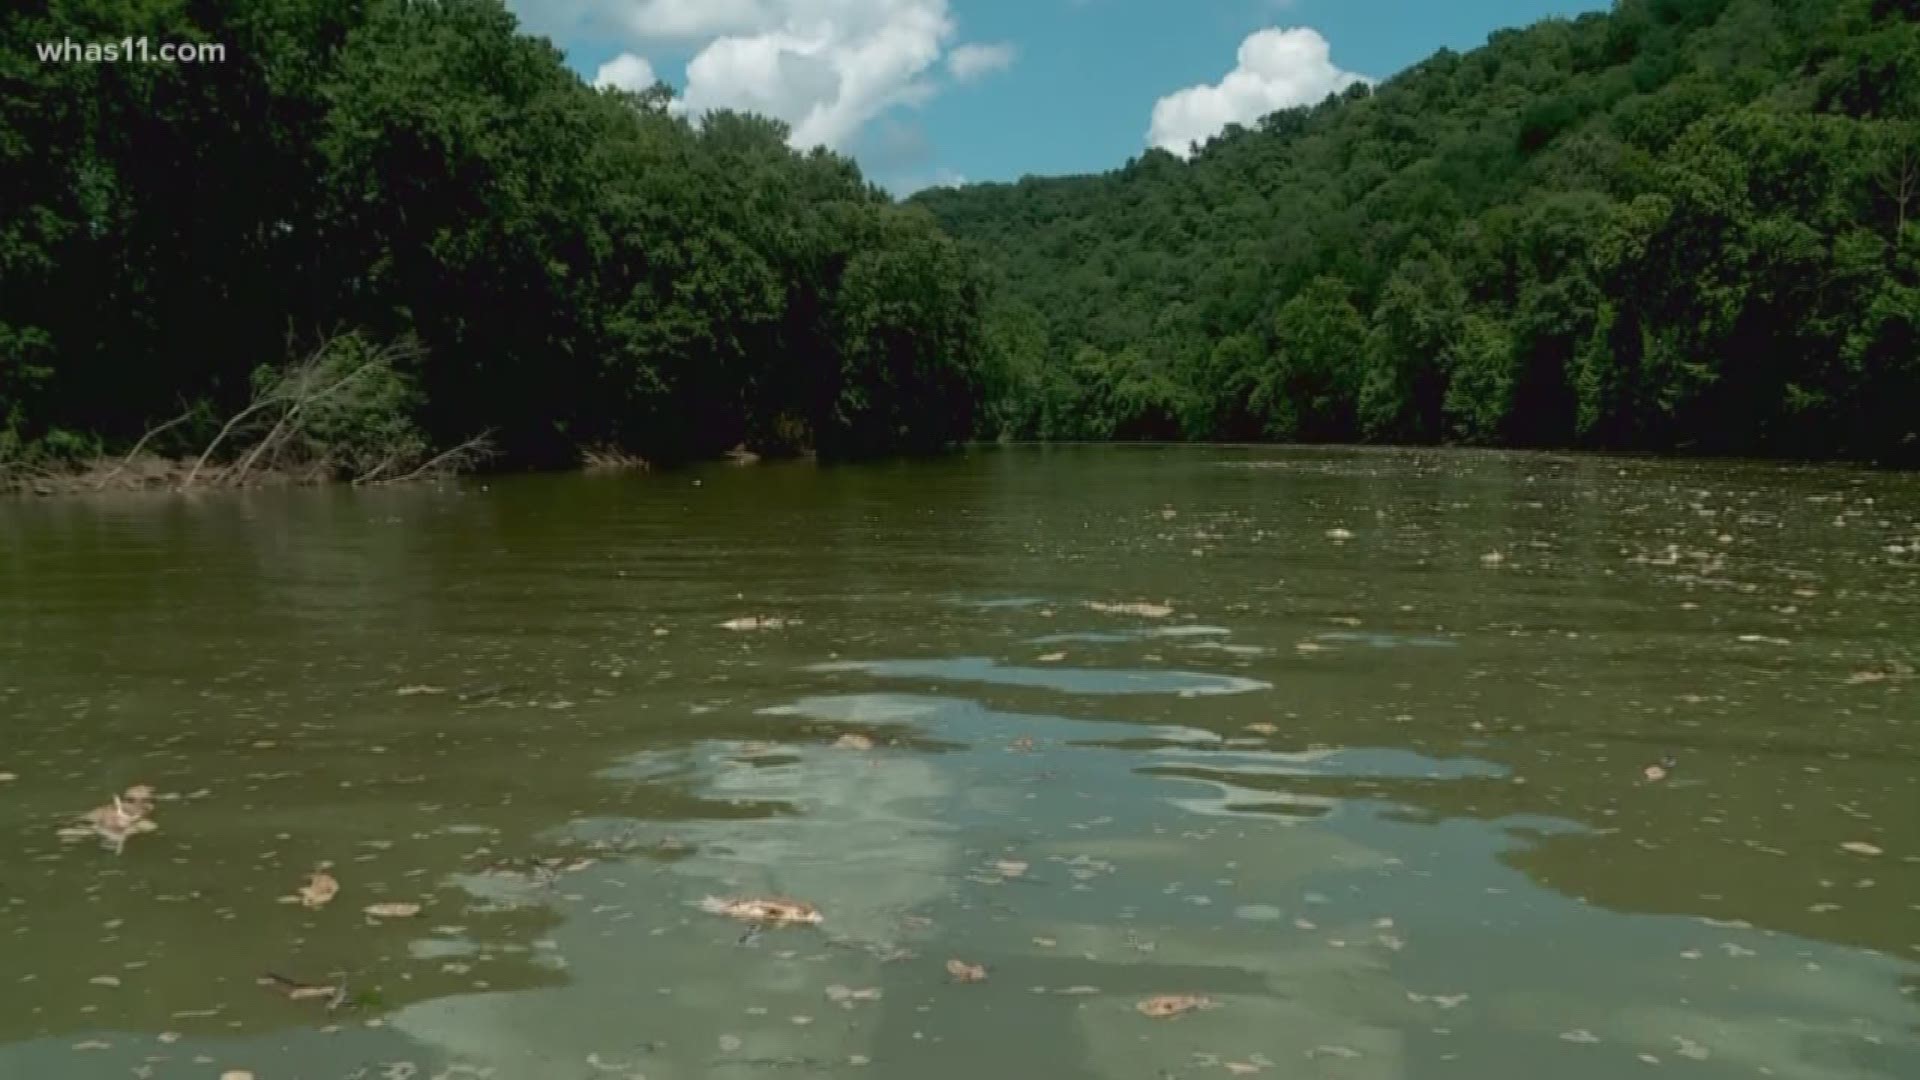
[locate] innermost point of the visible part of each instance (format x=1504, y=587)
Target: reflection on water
x=1388, y=641
x=1065, y=680
x=1117, y=637
x=1380, y=801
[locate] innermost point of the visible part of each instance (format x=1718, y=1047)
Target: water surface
x=1374, y=786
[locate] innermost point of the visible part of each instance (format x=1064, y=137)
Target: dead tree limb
x=273, y=436
x=194, y=472
x=472, y=448
x=367, y=477
x=141, y=445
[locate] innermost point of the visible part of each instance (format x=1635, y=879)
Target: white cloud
x=911, y=184
x=1277, y=69
x=626, y=72
x=970, y=62
x=826, y=67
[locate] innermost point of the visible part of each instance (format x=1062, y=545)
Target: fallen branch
x=473, y=449
x=246, y=465
x=194, y=473
x=141, y=445
x=607, y=458
x=367, y=477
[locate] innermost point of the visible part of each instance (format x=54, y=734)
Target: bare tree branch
x=139, y=446
x=257, y=406
x=367, y=477
x=471, y=450
x=273, y=436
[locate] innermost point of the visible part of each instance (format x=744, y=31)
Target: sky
x=925, y=92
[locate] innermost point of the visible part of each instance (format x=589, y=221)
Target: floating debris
x=1141, y=609
x=1579, y=1035
x=1892, y=670
x=770, y=910
x=842, y=995
x=1261, y=727
x=853, y=741
x=1050, y=658
x=961, y=971
x=415, y=691
x=1492, y=558
x=295, y=990
x=1687, y=1048
x=1659, y=771
x=484, y=692
x=392, y=910
x=759, y=622
x=128, y=815
x=1444, y=1001
x=1861, y=847
x=1339, y=536
x=1163, y=1006
x=1010, y=868
x=321, y=887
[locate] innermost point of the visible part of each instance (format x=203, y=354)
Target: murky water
x=1374, y=788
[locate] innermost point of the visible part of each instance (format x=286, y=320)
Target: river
x=1350, y=747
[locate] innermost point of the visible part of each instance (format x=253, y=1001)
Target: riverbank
x=159, y=474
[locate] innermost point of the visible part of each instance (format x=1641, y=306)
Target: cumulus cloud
x=1277, y=69
x=626, y=72
x=826, y=67
x=914, y=183
x=974, y=61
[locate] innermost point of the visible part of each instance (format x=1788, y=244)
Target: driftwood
x=225, y=431
x=611, y=459
x=294, y=393
x=274, y=438
x=341, y=413
x=466, y=454
x=290, y=447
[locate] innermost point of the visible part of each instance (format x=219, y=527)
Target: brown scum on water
x=772, y=911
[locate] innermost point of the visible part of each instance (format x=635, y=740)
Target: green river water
x=1374, y=787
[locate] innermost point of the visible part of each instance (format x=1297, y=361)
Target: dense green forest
x=505, y=249
x=1681, y=225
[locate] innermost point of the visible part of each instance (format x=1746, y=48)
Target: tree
x=1309, y=388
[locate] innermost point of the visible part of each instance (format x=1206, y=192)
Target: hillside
x=560, y=267
x=1682, y=225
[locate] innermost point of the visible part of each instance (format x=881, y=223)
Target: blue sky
x=935, y=91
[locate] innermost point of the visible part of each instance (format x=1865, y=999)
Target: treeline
x=557, y=267
x=1683, y=225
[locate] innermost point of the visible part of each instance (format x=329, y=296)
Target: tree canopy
x=578, y=267
x=1681, y=225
